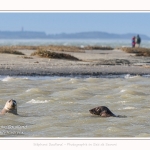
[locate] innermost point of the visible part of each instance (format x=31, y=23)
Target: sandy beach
x=92, y=62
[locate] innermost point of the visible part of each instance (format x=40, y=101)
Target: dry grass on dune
x=19, y=47
x=139, y=51
x=48, y=54
x=74, y=48
x=48, y=47
x=48, y=51
x=66, y=48
x=56, y=48
x=9, y=50
x=63, y=48
x=98, y=48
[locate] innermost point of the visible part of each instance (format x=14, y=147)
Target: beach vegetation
x=138, y=51
x=8, y=50
x=49, y=54
x=98, y=48
x=63, y=48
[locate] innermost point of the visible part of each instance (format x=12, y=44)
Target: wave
x=129, y=107
x=8, y=78
x=38, y=101
x=128, y=76
x=33, y=90
x=133, y=92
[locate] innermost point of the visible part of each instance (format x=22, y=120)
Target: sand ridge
x=93, y=62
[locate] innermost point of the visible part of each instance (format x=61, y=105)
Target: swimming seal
x=10, y=107
x=103, y=111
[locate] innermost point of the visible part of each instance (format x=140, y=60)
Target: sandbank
x=93, y=63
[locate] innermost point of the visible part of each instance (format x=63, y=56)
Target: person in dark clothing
x=138, y=41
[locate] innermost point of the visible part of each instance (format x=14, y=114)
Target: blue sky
x=72, y=22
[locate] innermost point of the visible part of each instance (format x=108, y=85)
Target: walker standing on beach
x=138, y=41
x=133, y=41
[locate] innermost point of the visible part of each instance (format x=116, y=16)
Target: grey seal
x=103, y=111
x=10, y=107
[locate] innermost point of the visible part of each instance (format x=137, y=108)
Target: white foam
x=121, y=102
x=8, y=78
x=122, y=91
x=38, y=101
x=129, y=108
x=128, y=76
x=26, y=78
x=28, y=90
x=73, y=80
x=33, y=90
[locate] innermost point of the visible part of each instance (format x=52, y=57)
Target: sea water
x=115, y=43
x=58, y=106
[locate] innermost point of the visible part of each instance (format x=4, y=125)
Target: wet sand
x=93, y=62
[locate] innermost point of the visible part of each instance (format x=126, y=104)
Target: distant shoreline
x=78, y=35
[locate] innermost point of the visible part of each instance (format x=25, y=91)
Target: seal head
x=102, y=111
x=10, y=107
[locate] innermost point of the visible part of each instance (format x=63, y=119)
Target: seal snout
x=92, y=111
x=12, y=103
